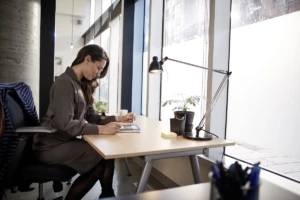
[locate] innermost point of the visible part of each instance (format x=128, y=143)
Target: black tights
x=106, y=180
x=103, y=172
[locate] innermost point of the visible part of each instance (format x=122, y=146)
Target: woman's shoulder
x=63, y=82
x=63, y=79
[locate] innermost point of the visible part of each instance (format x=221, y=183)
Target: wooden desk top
x=147, y=142
x=202, y=192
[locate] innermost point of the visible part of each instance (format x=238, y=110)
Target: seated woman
x=93, y=117
x=69, y=99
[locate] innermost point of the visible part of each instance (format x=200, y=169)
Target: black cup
x=177, y=125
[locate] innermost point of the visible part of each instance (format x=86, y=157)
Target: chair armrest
x=32, y=130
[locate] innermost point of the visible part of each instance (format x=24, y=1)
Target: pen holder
x=229, y=193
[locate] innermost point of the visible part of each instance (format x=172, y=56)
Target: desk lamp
x=200, y=134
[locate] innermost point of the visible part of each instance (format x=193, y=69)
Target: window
x=92, y=12
x=184, y=42
x=105, y=5
x=176, y=34
x=252, y=11
x=145, y=57
x=109, y=40
x=97, y=8
x=114, y=65
x=98, y=4
x=263, y=100
x=96, y=40
x=104, y=82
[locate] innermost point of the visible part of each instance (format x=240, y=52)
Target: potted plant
x=101, y=107
x=182, y=105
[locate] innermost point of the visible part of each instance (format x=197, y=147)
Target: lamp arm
x=212, y=103
x=215, y=97
x=193, y=65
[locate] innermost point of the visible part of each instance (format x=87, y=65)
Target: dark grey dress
x=68, y=113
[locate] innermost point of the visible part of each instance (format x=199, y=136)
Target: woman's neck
x=78, y=72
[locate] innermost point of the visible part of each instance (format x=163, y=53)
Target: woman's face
x=93, y=69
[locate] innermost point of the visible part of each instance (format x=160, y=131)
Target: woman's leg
x=85, y=182
x=107, y=179
x=82, y=158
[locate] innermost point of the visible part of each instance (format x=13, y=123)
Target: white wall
x=264, y=90
x=63, y=30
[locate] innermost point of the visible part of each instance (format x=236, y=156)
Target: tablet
x=129, y=128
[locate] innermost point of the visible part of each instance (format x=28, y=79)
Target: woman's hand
x=109, y=129
x=128, y=118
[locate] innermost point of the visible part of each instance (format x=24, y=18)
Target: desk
x=202, y=191
x=150, y=144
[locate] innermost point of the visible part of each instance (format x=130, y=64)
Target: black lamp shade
x=155, y=66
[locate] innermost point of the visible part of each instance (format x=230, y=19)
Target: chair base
x=25, y=187
x=41, y=193
x=57, y=198
x=69, y=181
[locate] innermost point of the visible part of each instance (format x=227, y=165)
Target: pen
x=216, y=173
x=254, y=177
x=252, y=192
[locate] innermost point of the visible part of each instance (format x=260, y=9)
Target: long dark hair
x=97, y=53
x=92, y=85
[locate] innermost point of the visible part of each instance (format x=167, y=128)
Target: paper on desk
x=168, y=135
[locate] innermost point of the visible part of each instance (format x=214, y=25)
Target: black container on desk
x=188, y=128
x=189, y=118
x=243, y=194
x=177, y=125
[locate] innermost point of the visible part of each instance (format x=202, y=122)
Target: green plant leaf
x=183, y=103
x=100, y=107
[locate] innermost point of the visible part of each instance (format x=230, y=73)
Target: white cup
x=123, y=112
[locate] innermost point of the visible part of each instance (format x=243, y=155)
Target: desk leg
x=144, y=178
x=195, y=168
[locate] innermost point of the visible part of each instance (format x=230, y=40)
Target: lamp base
x=203, y=135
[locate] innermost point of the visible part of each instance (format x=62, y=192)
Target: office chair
x=23, y=168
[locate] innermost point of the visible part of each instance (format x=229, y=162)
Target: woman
x=91, y=116
x=69, y=99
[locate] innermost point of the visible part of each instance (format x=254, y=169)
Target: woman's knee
x=99, y=167
x=110, y=163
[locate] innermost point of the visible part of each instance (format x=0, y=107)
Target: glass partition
x=263, y=100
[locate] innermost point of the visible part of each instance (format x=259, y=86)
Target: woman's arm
x=63, y=106
x=93, y=118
